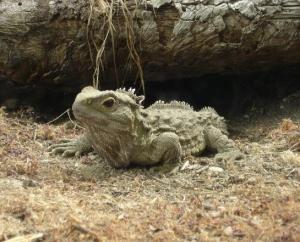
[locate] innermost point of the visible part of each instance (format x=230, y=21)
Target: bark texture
x=45, y=41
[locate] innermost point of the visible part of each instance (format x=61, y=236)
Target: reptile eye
x=108, y=103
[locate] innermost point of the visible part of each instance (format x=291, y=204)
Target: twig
x=58, y=117
x=26, y=238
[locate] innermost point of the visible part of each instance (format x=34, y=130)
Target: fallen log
x=46, y=42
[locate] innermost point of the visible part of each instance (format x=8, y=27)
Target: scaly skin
x=123, y=132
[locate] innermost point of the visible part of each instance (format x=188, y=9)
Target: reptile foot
x=66, y=148
x=230, y=156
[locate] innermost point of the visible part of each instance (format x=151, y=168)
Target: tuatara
x=123, y=132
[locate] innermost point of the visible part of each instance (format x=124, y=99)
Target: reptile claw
x=230, y=156
x=68, y=153
x=68, y=148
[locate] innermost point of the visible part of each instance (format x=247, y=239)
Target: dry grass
x=289, y=132
x=56, y=199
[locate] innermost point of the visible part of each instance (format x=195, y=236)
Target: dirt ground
x=44, y=198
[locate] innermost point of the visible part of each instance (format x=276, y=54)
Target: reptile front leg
x=225, y=147
x=75, y=147
x=165, y=151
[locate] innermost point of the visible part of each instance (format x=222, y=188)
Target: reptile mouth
x=87, y=116
x=85, y=113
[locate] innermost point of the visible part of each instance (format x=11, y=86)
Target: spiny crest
x=131, y=93
x=209, y=109
x=173, y=104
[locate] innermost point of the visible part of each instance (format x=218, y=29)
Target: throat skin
x=121, y=147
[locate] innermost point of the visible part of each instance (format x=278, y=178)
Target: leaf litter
x=45, y=198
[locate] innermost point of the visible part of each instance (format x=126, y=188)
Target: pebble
x=215, y=214
x=256, y=221
x=232, y=199
x=215, y=169
x=228, y=231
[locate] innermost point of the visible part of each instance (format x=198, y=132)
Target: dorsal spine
x=171, y=105
x=209, y=109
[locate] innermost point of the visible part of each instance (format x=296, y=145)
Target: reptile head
x=108, y=110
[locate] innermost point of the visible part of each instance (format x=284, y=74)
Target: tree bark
x=45, y=42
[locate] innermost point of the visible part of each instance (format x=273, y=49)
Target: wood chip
x=26, y=238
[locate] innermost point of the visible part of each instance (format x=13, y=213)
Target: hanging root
x=104, y=10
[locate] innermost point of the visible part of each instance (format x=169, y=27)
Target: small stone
x=232, y=199
x=215, y=214
x=228, y=231
x=121, y=216
x=153, y=229
x=256, y=221
x=46, y=161
x=215, y=169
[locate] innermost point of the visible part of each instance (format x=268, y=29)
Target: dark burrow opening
x=235, y=95
x=232, y=95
